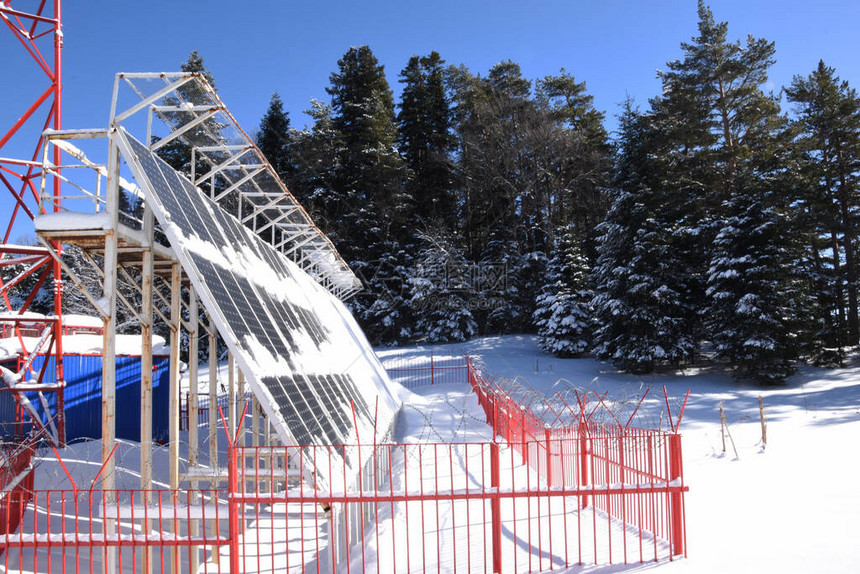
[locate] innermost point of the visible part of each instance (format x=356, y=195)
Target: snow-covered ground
x=790, y=506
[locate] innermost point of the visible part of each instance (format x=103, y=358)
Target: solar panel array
x=306, y=359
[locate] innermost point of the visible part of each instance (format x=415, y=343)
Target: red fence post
x=583, y=461
x=548, y=435
x=496, y=506
x=525, y=444
x=432, y=370
x=509, y=420
x=676, y=471
x=233, y=507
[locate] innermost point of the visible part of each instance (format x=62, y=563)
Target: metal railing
x=535, y=498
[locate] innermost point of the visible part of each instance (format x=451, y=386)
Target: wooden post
x=146, y=376
x=723, y=426
x=193, y=407
x=175, y=326
x=109, y=345
x=213, y=417
x=763, y=424
x=213, y=399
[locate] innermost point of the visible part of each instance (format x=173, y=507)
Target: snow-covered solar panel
x=305, y=358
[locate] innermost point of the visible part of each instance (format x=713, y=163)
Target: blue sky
x=257, y=47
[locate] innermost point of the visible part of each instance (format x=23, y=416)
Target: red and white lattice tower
x=37, y=28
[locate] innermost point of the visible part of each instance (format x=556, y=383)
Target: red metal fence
x=543, y=498
x=203, y=411
x=640, y=468
x=16, y=486
x=413, y=372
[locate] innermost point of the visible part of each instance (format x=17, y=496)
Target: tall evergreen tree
x=316, y=156
x=713, y=144
x=642, y=297
x=425, y=141
x=367, y=209
x=755, y=291
x=177, y=153
x=582, y=156
x=828, y=127
x=274, y=138
x=563, y=307
x=369, y=181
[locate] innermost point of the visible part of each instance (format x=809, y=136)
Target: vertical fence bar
x=676, y=497
x=496, y=506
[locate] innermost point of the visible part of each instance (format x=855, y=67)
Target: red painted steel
x=38, y=29
x=547, y=498
x=418, y=372
x=16, y=486
x=599, y=453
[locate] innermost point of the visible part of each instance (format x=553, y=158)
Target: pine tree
x=828, y=127
x=582, y=155
x=441, y=293
x=369, y=181
x=316, y=165
x=492, y=118
x=642, y=297
x=177, y=153
x=425, y=141
x=563, y=307
x=274, y=139
x=756, y=293
x=712, y=140
x=366, y=206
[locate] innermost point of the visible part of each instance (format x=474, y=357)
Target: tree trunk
x=850, y=240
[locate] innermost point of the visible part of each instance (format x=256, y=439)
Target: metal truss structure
x=102, y=211
x=37, y=29
x=226, y=163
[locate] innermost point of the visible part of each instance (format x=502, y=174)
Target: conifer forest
x=718, y=224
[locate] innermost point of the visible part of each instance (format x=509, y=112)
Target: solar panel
x=304, y=356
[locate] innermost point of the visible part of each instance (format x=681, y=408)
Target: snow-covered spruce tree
x=367, y=208
x=755, y=291
x=640, y=303
x=828, y=150
x=425, y=140
x=563, y=306
x=274, y=138
x=642, y=284
x=384, y=309
x=507, y=281
x=440, y=288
